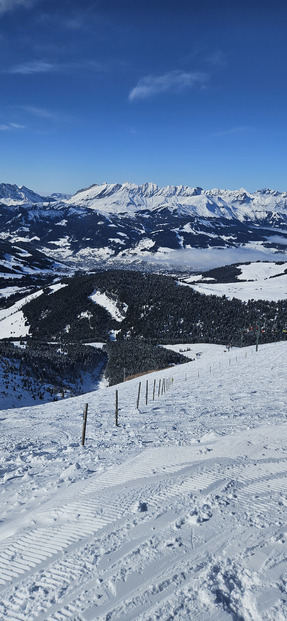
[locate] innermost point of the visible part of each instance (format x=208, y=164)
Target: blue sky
x=167, y=91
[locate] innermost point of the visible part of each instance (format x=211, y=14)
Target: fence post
x=117, y=408
x=146, y=393
x=84, y=423
x=159, y=385
x=139, y=392
x=154, y=384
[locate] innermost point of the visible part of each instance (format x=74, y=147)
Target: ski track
x=187, y=522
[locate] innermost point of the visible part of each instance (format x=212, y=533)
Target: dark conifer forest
x=155, y=308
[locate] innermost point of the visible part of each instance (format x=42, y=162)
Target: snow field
x=12, y=320
x=110, y=305
x=267, y=281
x=260, y=290
x=180, y=512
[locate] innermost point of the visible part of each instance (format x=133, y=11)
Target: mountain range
x=135, y=224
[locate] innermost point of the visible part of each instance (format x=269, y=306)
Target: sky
x=172, y=92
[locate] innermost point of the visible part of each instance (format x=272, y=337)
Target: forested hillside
x=47, y=372
x=134, y=356
x=152, y=307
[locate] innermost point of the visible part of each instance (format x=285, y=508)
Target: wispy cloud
x=201, y=53
x=44, y=113
x=216, y=59
x=232, y=130
x=174, y=81
x=42, y=66
x=10, y=126
x=74, y=23
x=10, y=5
x=41, y=113
x=35, y=66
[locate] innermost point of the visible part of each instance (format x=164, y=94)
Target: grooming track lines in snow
x=180, y=512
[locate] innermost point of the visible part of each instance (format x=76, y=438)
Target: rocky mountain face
x=129, y=223
x=11, y=194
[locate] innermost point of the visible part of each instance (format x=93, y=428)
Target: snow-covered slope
x=19, y=261
x=257, y=281
x=179, y=512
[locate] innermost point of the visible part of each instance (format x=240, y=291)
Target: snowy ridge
x=178, y=512
x=131, y=198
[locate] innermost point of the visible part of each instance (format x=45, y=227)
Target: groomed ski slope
x=180, y=512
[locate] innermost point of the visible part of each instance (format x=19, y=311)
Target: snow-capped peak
x=12, y=194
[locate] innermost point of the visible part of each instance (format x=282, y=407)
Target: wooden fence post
x=117, y=408
x=154, y=384
x=159, y=385
x=139, y=392
x=84, y=423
